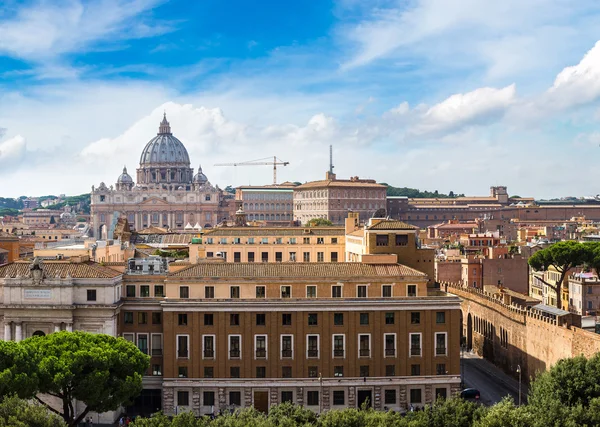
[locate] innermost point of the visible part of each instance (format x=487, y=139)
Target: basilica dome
x=164, y=149
x=125, y=178
x=200, y=178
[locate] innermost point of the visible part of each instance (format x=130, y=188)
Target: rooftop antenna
x=331, y=159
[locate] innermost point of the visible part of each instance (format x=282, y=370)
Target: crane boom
x=260, y=162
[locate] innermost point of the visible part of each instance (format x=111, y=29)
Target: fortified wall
x=509, y=335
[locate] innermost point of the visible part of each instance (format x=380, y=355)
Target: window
x=182, y=346
x=415, y=370
x=261, y=292
x=128, y=318
x=278, y=256
x=338, y=319
x=286, y=372
x=157, y=370
x=381, y=240
x=287, y=346
x=142, y=318
x=334, y=240
x=311, y=291
x=143, y=343
x=264, y=256
x=264, y=241
x=91, y=294
x=208, y=346
x=389, y=397
x=250, y=256
x=234, y=292
x=287, y=396
x=415, y=395
x=293, y=256
x=312, y=319
x=364, y=318
x=235, y=342
x=182, y=371
x=440, y=344
x=209, y=292
x=440, y=317
x=411, y=290
x=234, y=319
x=440, y=369
x=364, y=371
x=234, y=372
x=286, y=292
x=336, y=292
x=235, y=398
x=260, y=346
x=156, y=318
x=338, y=397
x=441, y=393
x=208, y=319
x=159, y=291
x=415, y=344
x=312, y=346
x=182, y=319
x=320, y=256
x=261, y=372
x=364, y=343
x=144, y=291
x=401, y=240
x=390, y=370
x=313, y=372
x=415, y=318
x=184, y=292
x=334, y=257
x=389, y=318
x=338, y=345
x=208, y=398
x=312, y=398
x=183, y=398
x=338, y=371
x=306, y=256
x=386, y=291
x=261, y=319
x=361, y=291
x=286, y=319
x=306, y=240
x=130, y=291
x=237, y=256
x=390, y=345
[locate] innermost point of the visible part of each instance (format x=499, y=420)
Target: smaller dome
x=125, y=178
x=200, y=178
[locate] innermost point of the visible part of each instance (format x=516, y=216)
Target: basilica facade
x=166, y=193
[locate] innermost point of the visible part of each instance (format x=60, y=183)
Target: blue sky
x=434, y=94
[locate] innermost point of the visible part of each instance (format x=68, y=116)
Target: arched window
x=38, y=334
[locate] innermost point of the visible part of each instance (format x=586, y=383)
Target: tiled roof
x=153, y=230
x=60, y=269
x=293, y=270
x=357, y=233
x=276, y=231
x=339, y=183
x=392, y=225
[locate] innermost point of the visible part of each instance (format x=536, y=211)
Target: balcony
x=261, y=353
x=440, y=351
x=390, y=352
x=338, y=353
x=157, y=352
x=234, y=354
x=365, y=352
x=313, y=353
x=209, y=354
x=415, y=351
x=182, y=353
x=286, y=354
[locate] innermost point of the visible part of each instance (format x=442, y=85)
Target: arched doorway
x=38, y=334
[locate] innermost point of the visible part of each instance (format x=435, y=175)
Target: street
x=490, y=380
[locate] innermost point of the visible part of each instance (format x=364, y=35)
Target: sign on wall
x=37, y=293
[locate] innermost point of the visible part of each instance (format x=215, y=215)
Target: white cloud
x=12, y=151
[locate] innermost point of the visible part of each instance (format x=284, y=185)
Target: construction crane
x=260, y=162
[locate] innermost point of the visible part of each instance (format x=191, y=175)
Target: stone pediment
x=154, y=201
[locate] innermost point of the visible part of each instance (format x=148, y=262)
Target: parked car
x=470, y=394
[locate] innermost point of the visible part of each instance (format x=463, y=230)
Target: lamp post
x=519, y=372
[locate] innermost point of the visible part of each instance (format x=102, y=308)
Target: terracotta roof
x=357, y=233
x=339, y=183
x=275, y=231
x=293, y=270
x=153, y=230
x=61, y=269
x=392, y=225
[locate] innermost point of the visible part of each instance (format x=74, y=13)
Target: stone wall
x=509, y=335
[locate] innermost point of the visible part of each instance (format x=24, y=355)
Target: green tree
x=318, y=222
x=505, y=413
x=288, y=414
x=593, y=256
x=101, y=371
x=15, y=412
x=17, y=370
x=563, y=256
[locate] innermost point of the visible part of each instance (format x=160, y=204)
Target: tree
x=563, y=256
x=318, y=222
x=101, y=371
x=593, y=256
x=15, y=412
x=18, y=374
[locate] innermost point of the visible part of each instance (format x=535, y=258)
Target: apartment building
x=272, y=204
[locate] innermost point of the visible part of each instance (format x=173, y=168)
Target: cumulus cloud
x=12, y=151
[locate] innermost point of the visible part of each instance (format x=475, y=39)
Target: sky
x=447, y=95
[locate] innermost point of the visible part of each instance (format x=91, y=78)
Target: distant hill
x=418, y=194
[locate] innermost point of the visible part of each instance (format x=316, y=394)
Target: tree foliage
x=16, y=412
x=101, y=371
x=414, y=193
x=318, y=222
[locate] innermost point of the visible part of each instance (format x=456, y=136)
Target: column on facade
x=18, y=331
x=57, y=327
x=69, y=327
x=7, y=331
